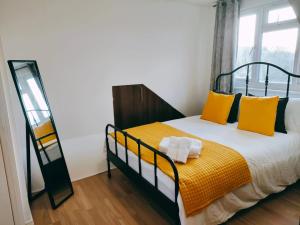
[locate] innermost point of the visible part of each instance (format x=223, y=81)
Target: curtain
x=225, y=40
x=296, y=6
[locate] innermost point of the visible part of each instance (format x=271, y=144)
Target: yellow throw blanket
x=218, y=171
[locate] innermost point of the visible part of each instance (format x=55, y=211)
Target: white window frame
x=262, y=26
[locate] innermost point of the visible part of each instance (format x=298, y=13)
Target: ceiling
x=296, y=5
x=200, y=2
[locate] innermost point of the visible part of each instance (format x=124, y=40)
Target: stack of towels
x=179, y=149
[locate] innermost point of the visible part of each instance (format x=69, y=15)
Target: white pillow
x=292, y=115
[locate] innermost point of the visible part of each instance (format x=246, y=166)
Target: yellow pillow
x=217, y=107
x=258, y=114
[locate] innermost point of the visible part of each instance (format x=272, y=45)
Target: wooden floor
x=100, y=201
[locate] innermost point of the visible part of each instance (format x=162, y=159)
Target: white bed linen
x=274, y=163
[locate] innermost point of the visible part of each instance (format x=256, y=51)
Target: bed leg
x=108, y=168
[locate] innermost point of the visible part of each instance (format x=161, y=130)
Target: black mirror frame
x=30, y=132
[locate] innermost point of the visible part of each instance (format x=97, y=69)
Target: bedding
x=180, y=149
x=280, y=116
x=234, y=111
x=280, y=124
x=292, y=112
x=258, y=114
x=217, y=107
x=219, y=169
x=274, y=163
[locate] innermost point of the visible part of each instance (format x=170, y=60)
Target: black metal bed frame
x=170, y=207
x=267, y=78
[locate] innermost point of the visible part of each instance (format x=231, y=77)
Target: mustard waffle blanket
x=218, y=171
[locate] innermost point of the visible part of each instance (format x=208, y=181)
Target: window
x=281, y=14
x=280, y=51
x=271, y=34
x=246, y=41
x=33, y=116
x=38, y=96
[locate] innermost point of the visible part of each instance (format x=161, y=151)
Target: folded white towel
x=195, y=147
x=164, y=145
x=180, y=148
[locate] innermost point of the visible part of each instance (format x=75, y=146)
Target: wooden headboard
x=136, y=105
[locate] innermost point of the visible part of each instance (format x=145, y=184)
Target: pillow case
x=258, y=114
x=217, y=107
x=280, y=116
x=234, y=112
x=292, y=115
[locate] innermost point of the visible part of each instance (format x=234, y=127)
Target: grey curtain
x=225, y=40
x=296, y=6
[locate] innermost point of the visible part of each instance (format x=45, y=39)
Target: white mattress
x=274, y=163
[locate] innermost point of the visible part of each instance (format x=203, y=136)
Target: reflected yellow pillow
x=217, y=107
x=258, y=114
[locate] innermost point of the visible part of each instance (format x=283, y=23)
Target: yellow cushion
x=258, y=114
x=217, y=107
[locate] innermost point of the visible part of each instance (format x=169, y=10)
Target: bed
x=274, y=163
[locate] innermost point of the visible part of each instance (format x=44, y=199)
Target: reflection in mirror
x=42, y=130
x=47, y=142
x=31, y=93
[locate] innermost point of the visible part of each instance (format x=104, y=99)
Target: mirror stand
x=41, y=130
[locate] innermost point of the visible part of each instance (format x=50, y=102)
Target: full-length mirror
x=41, y=127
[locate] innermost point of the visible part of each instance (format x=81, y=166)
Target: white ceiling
x=200, y=2
x=296, y=5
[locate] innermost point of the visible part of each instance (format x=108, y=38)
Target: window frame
x=261, y=27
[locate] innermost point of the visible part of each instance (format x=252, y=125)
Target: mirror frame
x=32, y=135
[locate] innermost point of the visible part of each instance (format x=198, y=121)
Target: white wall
x=83, y=49
x=11, y=154
x=5, y=205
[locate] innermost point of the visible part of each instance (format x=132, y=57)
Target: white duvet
x=274, y=163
